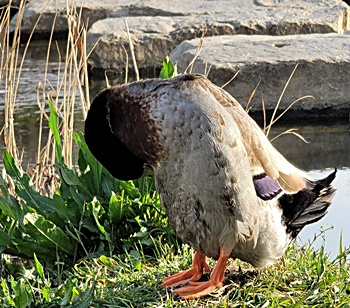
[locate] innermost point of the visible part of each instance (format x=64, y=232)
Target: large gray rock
x=246, y=16
x=154, y=37
x=323, y=69
x=14, y=3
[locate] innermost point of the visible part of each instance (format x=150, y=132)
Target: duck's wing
x=264, y=158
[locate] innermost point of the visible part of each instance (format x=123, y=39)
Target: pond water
x=328, y=147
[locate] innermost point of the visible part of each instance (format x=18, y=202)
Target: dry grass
x=72, y=79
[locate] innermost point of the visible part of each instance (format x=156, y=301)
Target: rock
x=268, y=61
x=14, y=3
x=245, y=17
x=154, y=37
x=54, y=13
x=260, y=16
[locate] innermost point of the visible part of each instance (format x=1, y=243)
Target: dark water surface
x=328, y=147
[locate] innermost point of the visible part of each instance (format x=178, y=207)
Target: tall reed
x=69, y=93
x=10, y=71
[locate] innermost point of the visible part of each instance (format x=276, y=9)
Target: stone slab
x=254, y=16
x=154, y=37
x=323, y=69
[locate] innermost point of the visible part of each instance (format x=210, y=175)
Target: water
x=329, y=145
x=337, y=220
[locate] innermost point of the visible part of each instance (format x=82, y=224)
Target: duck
x=227, y=191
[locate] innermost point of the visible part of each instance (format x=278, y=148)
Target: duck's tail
x=307, y=205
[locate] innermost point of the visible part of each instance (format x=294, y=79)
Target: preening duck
x=227, y=191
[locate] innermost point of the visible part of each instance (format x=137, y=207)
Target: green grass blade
x=53, y=124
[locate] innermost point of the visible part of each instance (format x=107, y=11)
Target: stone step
x=157, y=27
x=323, y=70
x=258, y=16
x=156, y=36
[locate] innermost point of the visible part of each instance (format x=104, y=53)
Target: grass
x=304, y=277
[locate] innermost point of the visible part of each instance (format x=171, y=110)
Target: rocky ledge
x=263, y=40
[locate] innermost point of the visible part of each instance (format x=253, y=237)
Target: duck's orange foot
x=197, y=289
x=199, y=266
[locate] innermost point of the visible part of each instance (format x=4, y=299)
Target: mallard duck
x=227, y=191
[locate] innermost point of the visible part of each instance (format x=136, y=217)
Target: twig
x=279, y=101
x=198, y=51
x=228, y=82
x=132, y=52
x=126, y=65
x=252, y=95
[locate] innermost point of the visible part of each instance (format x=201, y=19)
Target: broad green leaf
x=26, y=248
x=3, y=187
x=67, y=214
x=48, y=232
x=96, y=210
x=94, y=165
x=79, y=198
x=4, y=287
x=108, y=184
x=81, y=159
x=46, y=293
x=130, y=189
x=107, y=261
x=83, y=300
x=10, y=207
x=168, y=70
x=67, y=175
x=24, y=187
x=90, y=225
x=39, y=268
x=5, y=239
x=138, y=266
x=116, y=208
x=68, y=292
x=22, y=298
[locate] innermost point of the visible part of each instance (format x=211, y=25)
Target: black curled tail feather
x=307, y=205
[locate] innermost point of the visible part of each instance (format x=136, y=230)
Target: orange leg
x=199, y=289
x=199, y=266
